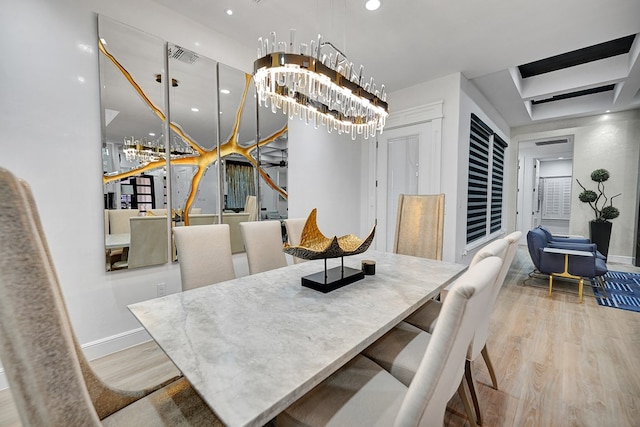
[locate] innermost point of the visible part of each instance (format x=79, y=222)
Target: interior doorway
x=545, y=180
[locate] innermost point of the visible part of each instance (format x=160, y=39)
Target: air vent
x=576, y=94
x=182, y=55
x=552, y=141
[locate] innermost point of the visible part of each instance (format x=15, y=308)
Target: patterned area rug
x=623, y=290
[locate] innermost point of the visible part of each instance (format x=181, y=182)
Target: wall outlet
x=162, y=289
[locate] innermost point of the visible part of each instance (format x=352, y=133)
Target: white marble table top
x=254, y=345
x=121, y=240
x=567, y=252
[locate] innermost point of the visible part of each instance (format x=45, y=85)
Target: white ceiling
x=407, y=42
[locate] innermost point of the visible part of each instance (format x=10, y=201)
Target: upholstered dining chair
x=363, y=393
x=148, y=245
x=294, y=228
x=419, y=226
x=427, y=316
x=51, y=381
x=204, y=254
x=263, y=244
x=251, y=207
x=119, y=220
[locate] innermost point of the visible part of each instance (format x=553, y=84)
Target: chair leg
x=580, y=287
x=471, y=383
x=487, y=361
x=550, y=284
x=467, y=406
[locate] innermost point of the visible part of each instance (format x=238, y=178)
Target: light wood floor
x=558, y=363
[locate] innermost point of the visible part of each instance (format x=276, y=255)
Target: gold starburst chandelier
x=318, y=83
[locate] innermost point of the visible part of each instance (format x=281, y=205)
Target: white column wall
x=325, y=173
x=50, y=121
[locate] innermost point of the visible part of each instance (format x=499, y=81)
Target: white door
x=405, y=165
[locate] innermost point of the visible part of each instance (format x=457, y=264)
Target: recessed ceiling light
x=195, y=109
x=225, y=91
x=608, y=111
x=152, y=134
x=372, y=4
x=229, y=12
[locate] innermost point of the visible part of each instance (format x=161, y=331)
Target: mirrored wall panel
x=227, y=162
x=133, y=158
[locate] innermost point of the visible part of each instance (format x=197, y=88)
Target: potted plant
x=600, y=227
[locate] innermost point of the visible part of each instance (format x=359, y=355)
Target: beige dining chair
x=294, y=228
x=203, y=219
x=51, y=381
x=427, y=317
x=419, y=226
x=204, y=254
x=119, y=220
x=251, y=207
x=148, y=244
x=263, y=244
x=363, y=393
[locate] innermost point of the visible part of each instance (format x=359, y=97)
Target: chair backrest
x=263, y=244
x=294, y=228
x=157, y=212
x=498, y=248
x=419, y=226
x=536, y=240
x=203, y=219
x=204, y=253
x=106, y=222
x=36, y=340
x=442, y=366
x=148, y=241
x=251, y=206
x=119, y=220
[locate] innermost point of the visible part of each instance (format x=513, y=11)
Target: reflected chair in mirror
x=251, y=207
x=119, y=220
x=148, y=244
x=263, y=244
x=294, y=228
x=426, y=317
x=364, y=393
x=51, y=381
x=419, y=226
x=203, y=219
x=204, y=254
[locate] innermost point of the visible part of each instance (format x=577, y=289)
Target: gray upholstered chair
x=294, y=228
x=204, y=253
x=419, y=226
x=363, y=393
x=148, y=245
x=263, y=244
x=427, y=316
x=51, y=381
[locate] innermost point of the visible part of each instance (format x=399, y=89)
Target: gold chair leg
x=581, y=286
x=471, y=383
x=465, y=402
x=550, y=284
x=487, y=361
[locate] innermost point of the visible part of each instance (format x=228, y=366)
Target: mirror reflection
x=135, y=222
x=218, y=172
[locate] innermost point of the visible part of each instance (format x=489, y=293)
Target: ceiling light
x=372, y=4
x=195, y=109
x=225, y=91
x=229, y=12
x=608, y=111
x=152, y=134
x=319, y=84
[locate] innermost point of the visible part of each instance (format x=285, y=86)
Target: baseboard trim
x=102, y=347
x=620, y=259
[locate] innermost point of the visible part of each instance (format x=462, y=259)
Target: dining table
x=252, y=346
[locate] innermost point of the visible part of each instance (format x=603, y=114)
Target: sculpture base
x=332, y=279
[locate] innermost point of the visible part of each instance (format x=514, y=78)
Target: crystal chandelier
x=144, y=151
x=319, y=84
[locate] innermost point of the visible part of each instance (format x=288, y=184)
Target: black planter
x=601, y=235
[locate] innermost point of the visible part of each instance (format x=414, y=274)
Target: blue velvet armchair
x=564, y=259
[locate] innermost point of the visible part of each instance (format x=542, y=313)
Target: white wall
x=609, y=141
x=50, y=121
x=327, y=172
